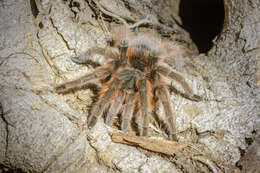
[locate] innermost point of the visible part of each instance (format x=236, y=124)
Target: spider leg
x=100, y=106
x=128, y=112
x=193, y=97
x=108, y=52
x=145, y=94
x=166, y=71
x=163, y=95
x=83, y=80
x=115, y=107
x=123, y=45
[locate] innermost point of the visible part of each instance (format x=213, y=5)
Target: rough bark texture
x=41, y=131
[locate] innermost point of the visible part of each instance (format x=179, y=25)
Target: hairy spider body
x=132, y=81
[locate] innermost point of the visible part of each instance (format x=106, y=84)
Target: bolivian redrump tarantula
x=132, y=81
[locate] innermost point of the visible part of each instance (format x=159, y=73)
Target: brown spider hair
x=132, y=81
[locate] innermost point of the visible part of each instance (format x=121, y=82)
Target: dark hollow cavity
x=203, y=19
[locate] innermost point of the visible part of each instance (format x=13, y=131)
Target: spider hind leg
x=146, y=107
x=115, y=108
x=163, y=95
x=128, y=112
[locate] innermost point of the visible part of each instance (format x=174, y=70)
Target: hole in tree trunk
x=203, y=19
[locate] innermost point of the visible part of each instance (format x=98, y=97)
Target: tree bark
x=41, y=131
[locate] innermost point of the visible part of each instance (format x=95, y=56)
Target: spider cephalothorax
x=132, y=81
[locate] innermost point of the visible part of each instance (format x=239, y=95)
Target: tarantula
x=132, y=81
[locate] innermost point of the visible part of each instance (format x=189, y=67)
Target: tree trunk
x=41, y=131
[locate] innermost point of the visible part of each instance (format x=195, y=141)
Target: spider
x=132, y=81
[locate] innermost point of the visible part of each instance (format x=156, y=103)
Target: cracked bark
x=48, y=131
x=6, y=124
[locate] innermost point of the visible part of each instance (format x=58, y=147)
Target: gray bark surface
x=41, y=131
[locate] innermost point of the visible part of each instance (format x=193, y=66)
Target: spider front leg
x=162, y=93
x=123, y=48
x=104, y=100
